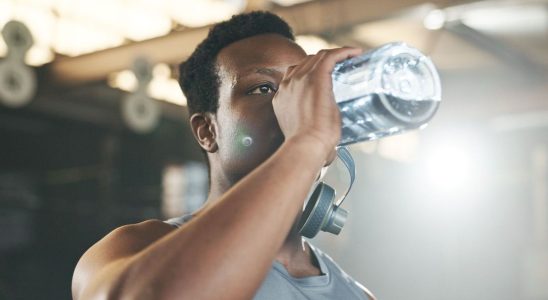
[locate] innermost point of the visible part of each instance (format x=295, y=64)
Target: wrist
x=311, y=147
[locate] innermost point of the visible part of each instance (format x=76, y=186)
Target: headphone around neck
x=321, y=211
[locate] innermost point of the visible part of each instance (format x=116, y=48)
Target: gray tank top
x=334, y=283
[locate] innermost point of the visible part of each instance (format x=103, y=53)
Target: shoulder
x=121, y=243
x=128, y=239
x=134, y=237
x=149, y=229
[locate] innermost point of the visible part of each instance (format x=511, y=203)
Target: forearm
x=227, y=250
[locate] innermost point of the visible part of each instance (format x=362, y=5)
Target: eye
x=263, y=89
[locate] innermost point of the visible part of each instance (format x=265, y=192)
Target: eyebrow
x=265, y=71
x=268, y=71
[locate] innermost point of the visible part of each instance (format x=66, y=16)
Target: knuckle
x=324, y=66
x=311, y=77
x=323, y=52
x=289, y=70
x=297, y=76
x=285, y=82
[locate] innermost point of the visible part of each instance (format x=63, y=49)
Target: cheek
x=239, y=139
x=235, y=137
x=249, y=140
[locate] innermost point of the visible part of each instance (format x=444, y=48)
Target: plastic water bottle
x=389, y=90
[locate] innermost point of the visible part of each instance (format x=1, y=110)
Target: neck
x=294, y=253
x=292, y=244
x=293, y=249
x=215, y=192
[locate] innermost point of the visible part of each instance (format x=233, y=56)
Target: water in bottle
x=389, y=90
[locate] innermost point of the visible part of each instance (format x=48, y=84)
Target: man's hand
x=304, y=103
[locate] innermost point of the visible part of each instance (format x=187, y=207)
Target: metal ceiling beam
x=506, y=53
x=95, y=104
x=313, y=17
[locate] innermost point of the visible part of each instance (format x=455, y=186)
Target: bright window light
x=142, y=24
x=74, y=38
x=40, y=21
x=521, y=121
x=401, y=147
x=75, y=27
x=161, y=70
x=289, y=2
x=434, y=20
x=166, y=89
x=162, y=86
x=184, y=188
x=41, y=24
x=38, y=56
x=508, y=19
x=193, y=13
x=101, y=13
x=3, y=48
x=6, y=13
x=366, y=147
x=133, y=21
x=124, y=80
x=384, y=31
x=448, y=167
x=452, y=166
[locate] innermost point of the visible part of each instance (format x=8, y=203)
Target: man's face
x=250, y=71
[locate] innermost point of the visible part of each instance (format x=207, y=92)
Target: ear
x=204, y=129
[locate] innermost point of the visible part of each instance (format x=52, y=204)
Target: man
x=264, y=114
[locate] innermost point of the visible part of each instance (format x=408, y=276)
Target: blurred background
x=94, y=134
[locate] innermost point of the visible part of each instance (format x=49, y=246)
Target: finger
x=302, y=65
x=289, y=72
x=333, y=56
x=308, y=63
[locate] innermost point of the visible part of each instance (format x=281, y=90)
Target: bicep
x=103, y=263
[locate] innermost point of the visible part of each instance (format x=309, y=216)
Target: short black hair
x=198, y=76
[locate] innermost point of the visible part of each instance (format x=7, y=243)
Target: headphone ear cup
x=337, y=218
x=317, y=210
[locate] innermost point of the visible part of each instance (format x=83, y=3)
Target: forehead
x=267, y=50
